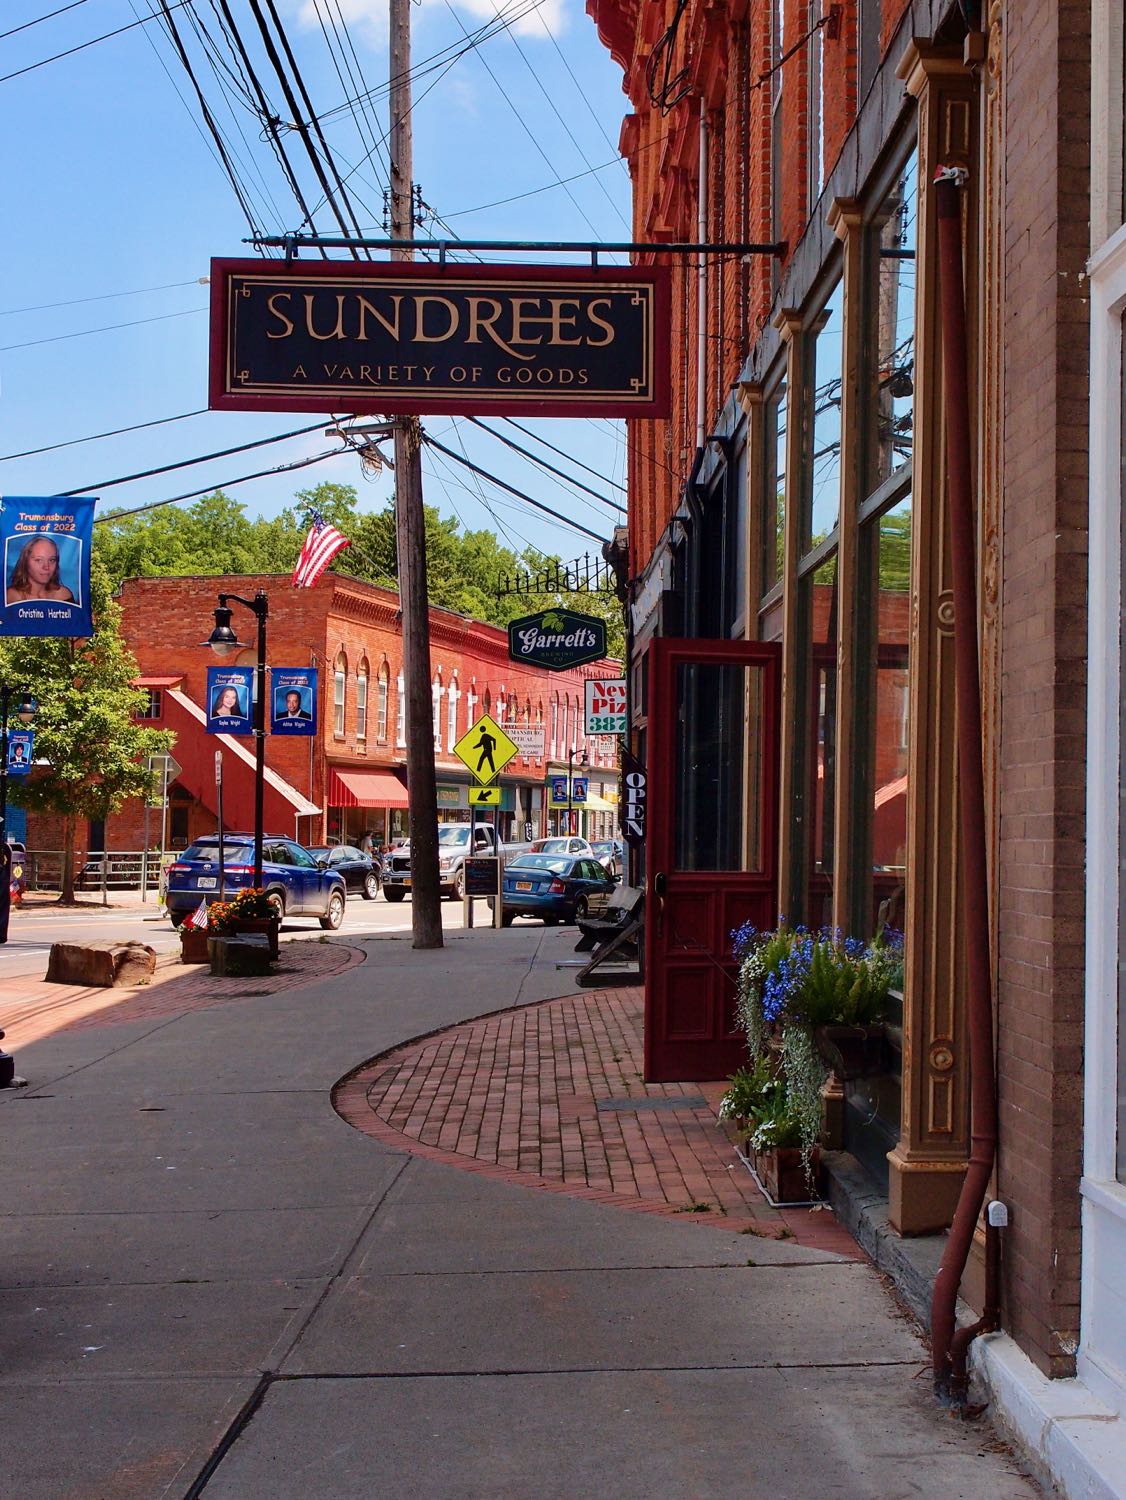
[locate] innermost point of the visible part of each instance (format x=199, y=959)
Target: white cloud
x=369, y=17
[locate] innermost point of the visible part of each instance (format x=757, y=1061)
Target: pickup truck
x=453, y=846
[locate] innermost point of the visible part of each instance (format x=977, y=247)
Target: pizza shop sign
x=556, y=640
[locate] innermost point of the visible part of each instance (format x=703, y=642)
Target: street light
x=224, y=642
x=579, y=760
x=25, y=712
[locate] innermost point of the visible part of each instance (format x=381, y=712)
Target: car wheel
x=177, y=917
x=335, y=913
x=550, y=921
x=277, y=901
x=507, y=918
x=393, y=893
x=459, y=884
x=370, y=887
x=582, y=906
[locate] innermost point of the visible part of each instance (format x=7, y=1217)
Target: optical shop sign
x=384, y=337
x=45, y=545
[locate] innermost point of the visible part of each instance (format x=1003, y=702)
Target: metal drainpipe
x=702, y=282
x=971, y=789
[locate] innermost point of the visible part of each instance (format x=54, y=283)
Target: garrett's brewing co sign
x=557, y=639
x=411, y=336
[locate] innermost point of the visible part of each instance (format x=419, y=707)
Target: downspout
x=702, y=282
x=949, y=1351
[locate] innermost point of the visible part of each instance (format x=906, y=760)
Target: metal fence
x=119, y=870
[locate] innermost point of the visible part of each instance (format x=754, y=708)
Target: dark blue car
x=291, y=877
x=556, y=887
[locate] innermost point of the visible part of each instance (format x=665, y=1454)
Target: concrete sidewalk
x=214, y=1284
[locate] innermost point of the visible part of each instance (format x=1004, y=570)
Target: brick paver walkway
x=551, y=1095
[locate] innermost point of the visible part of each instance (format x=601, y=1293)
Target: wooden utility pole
x=410, y=536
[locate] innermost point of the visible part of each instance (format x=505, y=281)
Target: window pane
x=774, y=489
x=824, y=460
x=892, y=705
x=361, y=707
x=823, y=720
x=717, y=764
x=892, y=406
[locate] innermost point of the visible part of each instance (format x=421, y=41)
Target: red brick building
x=351, y=777
x=796, y=501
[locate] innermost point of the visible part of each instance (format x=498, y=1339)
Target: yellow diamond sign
x=485, y=750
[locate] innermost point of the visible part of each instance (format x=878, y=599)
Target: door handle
x=660, y=888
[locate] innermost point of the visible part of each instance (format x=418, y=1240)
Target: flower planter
x=852, y=1051
x=269, y=925
x=783, y=1176
x=193, y=946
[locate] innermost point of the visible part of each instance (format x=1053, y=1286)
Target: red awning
x=365, y=789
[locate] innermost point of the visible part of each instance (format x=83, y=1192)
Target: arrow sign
x=484, y=796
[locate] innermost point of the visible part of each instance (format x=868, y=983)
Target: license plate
x=406, y=884
x=206, y=882
x=523, y=885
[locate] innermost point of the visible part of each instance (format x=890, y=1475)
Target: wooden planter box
x=268, y=925
x=239, y=956
x=783, y=1176
x=193, y=946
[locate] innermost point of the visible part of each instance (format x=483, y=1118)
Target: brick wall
x=1043, y=724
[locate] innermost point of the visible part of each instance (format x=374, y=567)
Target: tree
x=95, y=752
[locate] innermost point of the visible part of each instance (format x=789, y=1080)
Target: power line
x=50, y=16
x=97, y=436
x=188, y=463
x=107, y=328
x=512, y=490
x=137, y=510
x=70, y=51
x=527, y=431
x=543, y=464
x=140, y=291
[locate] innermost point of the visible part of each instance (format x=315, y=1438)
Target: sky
x=115, y=201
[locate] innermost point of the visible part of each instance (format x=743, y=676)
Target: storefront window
x=717, y=767
x=822, y=588
x=774, y=489
x=890, y=718
x=892, y=409
x=823, y=490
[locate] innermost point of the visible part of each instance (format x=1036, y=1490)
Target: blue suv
x=291, y=877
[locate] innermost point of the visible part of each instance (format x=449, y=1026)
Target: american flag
x=196, y=920
x=321, y=546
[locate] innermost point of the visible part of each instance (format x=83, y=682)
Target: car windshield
x=552, y=862
x=451, y=833
x=233, y=853
x=604, y=846
x=321, y=848
x=551, y=846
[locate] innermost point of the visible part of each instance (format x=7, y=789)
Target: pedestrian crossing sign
x=485, y=796
x=485, y=750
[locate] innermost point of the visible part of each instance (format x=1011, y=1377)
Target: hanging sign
x=20, y=745
x=606, y=705
x=229, y=700
x=398, y=336
x=293, y=700
x=556, y=639
x=46, y=560
x=631, y=808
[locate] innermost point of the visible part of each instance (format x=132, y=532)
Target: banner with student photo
x=20, y=745
x=45, y=553
x=230, y=700
x=293, y=700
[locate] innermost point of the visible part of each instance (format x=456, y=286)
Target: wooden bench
x=615, y=932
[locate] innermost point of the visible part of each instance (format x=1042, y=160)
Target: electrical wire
x=50, y=16
x=106, y=328
x=189, y=463
x=543, y=464
x=97, y=436
x=70, y=51
x=512, y=490
x=140, y=291
x=226, y=484
x=527, y=431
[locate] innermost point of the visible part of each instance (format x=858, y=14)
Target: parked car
x=362, y=872
x=610, y=854
x=562, y=844
x=291, y=877
x=554, y=887
x=453, y=847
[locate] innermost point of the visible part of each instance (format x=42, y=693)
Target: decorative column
x=928, y=1164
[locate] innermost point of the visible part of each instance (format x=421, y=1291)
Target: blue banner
x=46, y=560
x=230, y=700
x=20, y=745
x=293, y=700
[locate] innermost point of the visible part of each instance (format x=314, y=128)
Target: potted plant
x=816, y=1000
x=758, y=1102
x=193, y=943
x=251, y=910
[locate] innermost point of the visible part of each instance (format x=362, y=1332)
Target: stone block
x=101, y=965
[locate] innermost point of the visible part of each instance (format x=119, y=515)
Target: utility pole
x=410, y=535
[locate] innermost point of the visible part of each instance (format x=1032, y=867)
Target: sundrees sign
x=393, y=336
x=556, y=639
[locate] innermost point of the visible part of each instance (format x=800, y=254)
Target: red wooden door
x=711, y=852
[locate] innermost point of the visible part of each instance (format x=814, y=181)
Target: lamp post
x=224, y=642
x=25, y=712
x=572, y=760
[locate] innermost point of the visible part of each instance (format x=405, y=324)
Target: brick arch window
x=436, y=708
x=382, y=691
x=554, y=725
x=487, y=702
x=400, y=713
x=339, y=694
x=452, y=696
x=362, y=673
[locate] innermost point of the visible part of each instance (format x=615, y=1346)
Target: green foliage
x=85, y=730
x=215, y=535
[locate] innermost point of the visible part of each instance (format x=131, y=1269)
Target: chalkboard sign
x=482, y=875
